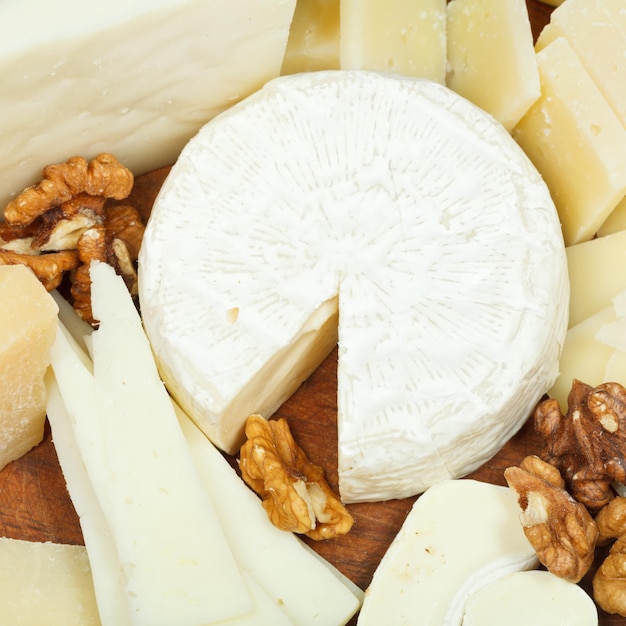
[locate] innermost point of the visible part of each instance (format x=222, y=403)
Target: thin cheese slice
x=45, y=583
x=136, y=79
x=397, y=202
x=596, y=30
x=491, y=58
x=405, y=37
x=576, y=141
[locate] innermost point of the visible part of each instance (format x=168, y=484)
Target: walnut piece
x=609, y=581
x=103, y=176
x=559, y=528
x=49, y=268
x=295, y=493
x=588, y=445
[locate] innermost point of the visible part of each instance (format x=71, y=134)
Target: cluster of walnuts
x=58, y=226
x=569, y=493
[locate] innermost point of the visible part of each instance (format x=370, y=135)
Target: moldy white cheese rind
x=410, y=209
x=136, y=79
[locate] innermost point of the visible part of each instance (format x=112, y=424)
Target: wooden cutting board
x=35, y=505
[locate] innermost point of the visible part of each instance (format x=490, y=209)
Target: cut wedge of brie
x=391, y=204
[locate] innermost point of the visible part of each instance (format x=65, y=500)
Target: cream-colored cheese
x=534, y=597
x=491, y=58
x=45, y=583
x=459, y=536
x=133, y=78
x=405, y=37
x=409, y=207
x=27, y=329
x=596, y=30
x=576, y=141
x=616, y=221
x=173, y=559
x=313, y=37
x=594, y=275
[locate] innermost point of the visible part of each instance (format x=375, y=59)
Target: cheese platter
x=36, y=505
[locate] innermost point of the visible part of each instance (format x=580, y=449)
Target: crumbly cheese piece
x=27, y=329
x=402, y=205
x=594, y=277
x=533, y=597
x=596, y=30
x=136, y=79
x=313, y=42
x=405, y=37
x=175, y=563
x=491, y=58
x=459, y=536
x=46, y=583
x=576, y=141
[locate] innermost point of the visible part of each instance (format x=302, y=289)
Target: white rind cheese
x=133, y=78
x=409, y=207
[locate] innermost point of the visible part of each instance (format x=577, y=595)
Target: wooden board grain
x=35, y=505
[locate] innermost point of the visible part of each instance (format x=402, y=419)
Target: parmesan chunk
x=27, y=330
x=397, y=203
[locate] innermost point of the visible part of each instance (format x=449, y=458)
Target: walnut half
x=560, y=529
x=295, y=493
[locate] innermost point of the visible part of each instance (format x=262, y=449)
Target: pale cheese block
x=410, y=209
x=534, y=597
x=175, y=564
x=616, y=220
x=458, y=536
x=313, y=42
x=576, y=141
x=491, y=57
x=28, y=320
x=595, y=276
x=405, y=37
x=45, y=584
x=596, y=30
x=136, y=79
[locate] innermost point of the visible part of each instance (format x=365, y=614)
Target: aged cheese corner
x=133, y=79
x=401, y=206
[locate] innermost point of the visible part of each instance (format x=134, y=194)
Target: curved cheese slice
x=405, y=207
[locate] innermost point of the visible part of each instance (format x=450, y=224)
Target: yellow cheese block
x=616, y=221
x=576, y=142
x=45, y=584
x=405, y=37
x=313, y=42
x=491, y=58
x=595, y=274
x=27, y=330
x=601, y=48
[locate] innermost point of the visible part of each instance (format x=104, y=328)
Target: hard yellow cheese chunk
x=313, y=42
x=406, y=37
x=596, y=30
x=27, y=330
x=45, y=583
x=491, y=59
x=576, y=141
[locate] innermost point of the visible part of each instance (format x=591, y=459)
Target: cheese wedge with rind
x=412, y=207
x=136, y=79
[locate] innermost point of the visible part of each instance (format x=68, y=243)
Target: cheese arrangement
x=138, y=78
x=459, y=536
x=27, y=331
x=406, y=37
x=490, y=42
x=401, y=206
x=46, y=583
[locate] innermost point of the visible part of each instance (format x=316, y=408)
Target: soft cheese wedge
x=136, y=79
x=532, y=597
x=459, y=536
x=398, y=206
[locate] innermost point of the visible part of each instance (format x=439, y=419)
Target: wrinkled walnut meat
x=609, y=581
x=59, y=225
x=588, y=445
x=561, y=530
x=295, y=494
